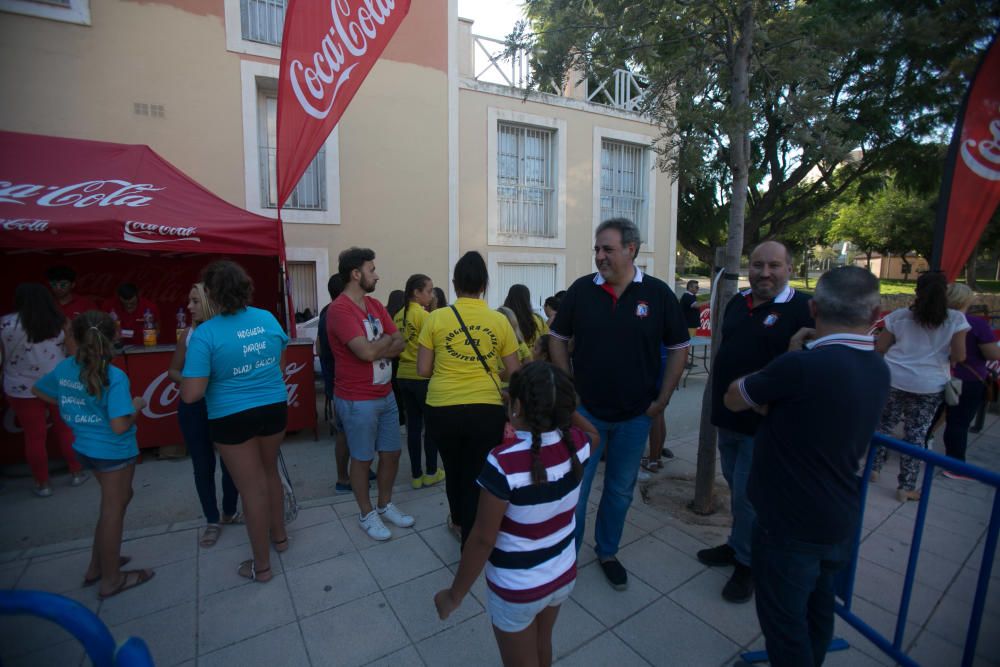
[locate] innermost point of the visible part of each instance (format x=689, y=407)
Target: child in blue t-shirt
x=94, y=400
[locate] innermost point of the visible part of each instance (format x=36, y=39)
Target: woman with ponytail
x=531, y=324
x=33, y=340
x=920, y=344
x=417, y=296
x=94, y=400
x=525, y=525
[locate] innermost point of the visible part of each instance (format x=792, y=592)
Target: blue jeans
x=625, y=442
x=193, y=419
x=736, y=457
x=794, y=584
x=414, y=393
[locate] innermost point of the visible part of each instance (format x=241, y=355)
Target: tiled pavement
x=340, y=599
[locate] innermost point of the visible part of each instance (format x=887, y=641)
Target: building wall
x=891, y=268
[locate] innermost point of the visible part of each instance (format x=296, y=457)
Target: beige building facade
x=430, y=160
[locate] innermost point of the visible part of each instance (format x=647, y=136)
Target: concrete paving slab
x=172, y=585
x=407, y=656
x=442, y=542
x=243, y=612
x=217, y=568
x=664, y=634
x=702, y=597
x=10, y=573
x=413, y=603
x=608, y=606
x=468, y=643
x=329, y=583
x=883, y=587
x=169, y=634
x=23, y=635
x=309, y=544
x=606, y=649
x=574, y=628
x=680, y=540
x=280, y=646
x=355, y=633
x=69, y=653
x=658, y=564
x=400, y=560
x=157, y=550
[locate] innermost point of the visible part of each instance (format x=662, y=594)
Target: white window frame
x=250, y=72
x=321, y=258
x=77, y=12
x=234, y=36
x=495, y=259
x=643, y=140
x=495, y=115
x=645, y=262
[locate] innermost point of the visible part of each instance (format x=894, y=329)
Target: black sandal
x=281, y=546
x=247, y=570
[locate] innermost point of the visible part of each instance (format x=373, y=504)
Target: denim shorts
x=516, y=616
x=104, y=465
x=371, y=425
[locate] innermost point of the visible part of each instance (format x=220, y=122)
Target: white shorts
x=516, y=616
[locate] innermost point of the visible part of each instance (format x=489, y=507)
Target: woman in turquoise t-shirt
x=234, y=361
x=94, y=400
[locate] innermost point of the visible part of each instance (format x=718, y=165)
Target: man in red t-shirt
x=363, y=339
x=62, y=280
x=131, y=313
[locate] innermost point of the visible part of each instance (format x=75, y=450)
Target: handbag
x=952, y=391
x=475, y=348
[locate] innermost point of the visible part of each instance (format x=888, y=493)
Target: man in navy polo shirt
x=618, y=318
x=756, y=327
x=821, y=406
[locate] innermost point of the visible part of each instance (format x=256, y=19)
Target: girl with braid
x=95, y=402
x=524, y=528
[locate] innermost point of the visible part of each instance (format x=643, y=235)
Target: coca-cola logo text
x=983, y=157
x=140, y=232
x=326, y=73
x=23, y=225
x=111, y=192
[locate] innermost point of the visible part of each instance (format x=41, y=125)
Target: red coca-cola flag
x=970, y=191
x=327, y=50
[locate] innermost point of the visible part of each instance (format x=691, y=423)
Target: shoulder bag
x=475, y=348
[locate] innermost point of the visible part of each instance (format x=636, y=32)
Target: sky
x=493, y=18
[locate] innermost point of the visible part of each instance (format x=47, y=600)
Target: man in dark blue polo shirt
x=618, y=318
x=756, y=327
x=822, y=405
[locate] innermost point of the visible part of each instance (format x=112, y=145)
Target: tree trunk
x=739, y=142
x=868, y=259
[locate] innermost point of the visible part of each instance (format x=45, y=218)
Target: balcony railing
x=493, y=62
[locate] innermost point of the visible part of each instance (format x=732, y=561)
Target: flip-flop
x=128, y=581
x=247, y=570
x=281, y=546
x=234, y=519
x=122, y=562
x=210, y=535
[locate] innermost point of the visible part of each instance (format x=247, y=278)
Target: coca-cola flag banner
x=970, y=190
x=327, y=50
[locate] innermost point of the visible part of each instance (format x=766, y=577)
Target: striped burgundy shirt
x=535, y=553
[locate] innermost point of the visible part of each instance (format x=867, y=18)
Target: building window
x=310, y=192
x=525, y=183
x=540, y=279
x=302, y=280
x=263, y=20
x=67, y=11
x=624, y=183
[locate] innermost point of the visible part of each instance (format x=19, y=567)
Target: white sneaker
x=372, y=524
x=392, y=513
x=644, y=476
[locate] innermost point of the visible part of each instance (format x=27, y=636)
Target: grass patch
x=903, y=286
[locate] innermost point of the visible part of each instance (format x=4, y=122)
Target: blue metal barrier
x=845, y=589
x=82, y=624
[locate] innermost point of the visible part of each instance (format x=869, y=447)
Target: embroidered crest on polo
x=771, y=319
x=642, y=309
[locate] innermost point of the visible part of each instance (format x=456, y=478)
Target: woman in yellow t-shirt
x=523, y=351
x=417, y=295
x=532, y=325
x=465, y=412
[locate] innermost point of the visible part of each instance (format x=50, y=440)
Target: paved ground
x=341, y=599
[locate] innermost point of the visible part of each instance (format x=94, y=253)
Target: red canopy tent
x=120, y=213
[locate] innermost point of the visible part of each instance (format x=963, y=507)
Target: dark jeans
x=465, y=434
x=414, y=394
x=794, y=586
x=956, y=430
x=193, y=418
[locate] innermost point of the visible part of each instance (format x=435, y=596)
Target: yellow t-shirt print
x=415, y=317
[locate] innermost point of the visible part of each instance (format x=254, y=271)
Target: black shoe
x=739, y=588
x=718, y=556
x=666, y=453
x=616, y=574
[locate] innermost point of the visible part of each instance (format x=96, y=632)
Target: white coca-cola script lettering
x=291, y=368
x=325, y=73
x=140, y=232
x=23, y=225
x=983, y=157
x=112, y=192
x=161, y=397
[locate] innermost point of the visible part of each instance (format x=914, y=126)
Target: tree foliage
x=867, y=80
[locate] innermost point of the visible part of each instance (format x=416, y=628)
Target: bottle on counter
x=181, y=324
x=148, y=329
x=118, y=325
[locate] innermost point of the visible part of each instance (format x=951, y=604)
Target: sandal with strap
x=130, y=579
x=281, y=546
x=90, y=581
x=248, y=570
x=210, y=535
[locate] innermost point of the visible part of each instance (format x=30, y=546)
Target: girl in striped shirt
x=526, y=520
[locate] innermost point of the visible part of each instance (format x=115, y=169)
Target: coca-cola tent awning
x=72, y=193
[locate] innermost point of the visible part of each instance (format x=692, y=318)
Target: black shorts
x=237, y=428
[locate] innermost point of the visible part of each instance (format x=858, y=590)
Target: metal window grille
x=310, y=192
x=623, y=183
x=302, y=277
x=59, y=3
x=525, y=177
x=263, y=20
x=540, y=280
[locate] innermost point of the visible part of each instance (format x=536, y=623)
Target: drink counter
x=157, y=425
